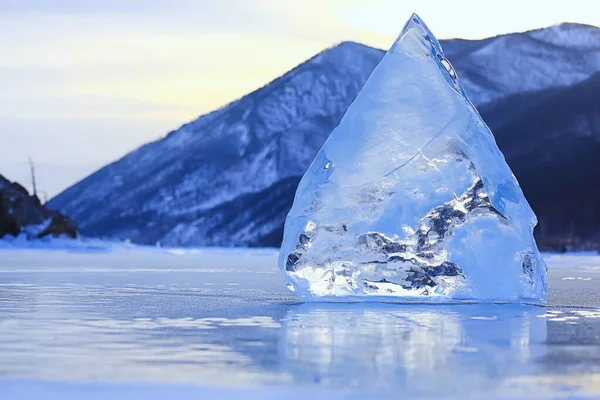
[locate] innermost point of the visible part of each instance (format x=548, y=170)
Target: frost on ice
x=410, y=198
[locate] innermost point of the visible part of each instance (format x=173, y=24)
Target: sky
x=83, y=82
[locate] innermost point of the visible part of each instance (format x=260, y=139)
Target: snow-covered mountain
x=228, y=178
x=492, y=68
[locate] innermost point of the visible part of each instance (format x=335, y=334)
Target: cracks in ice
x=387, y=266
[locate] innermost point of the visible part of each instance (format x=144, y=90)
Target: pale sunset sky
x=83, y=82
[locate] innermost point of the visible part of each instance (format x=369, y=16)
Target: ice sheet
x=204, y=322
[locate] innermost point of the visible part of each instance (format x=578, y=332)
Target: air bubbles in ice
x=448, y=67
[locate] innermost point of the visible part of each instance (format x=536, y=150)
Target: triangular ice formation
x=410, y=198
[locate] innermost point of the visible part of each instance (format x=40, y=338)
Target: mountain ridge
x=165, y=187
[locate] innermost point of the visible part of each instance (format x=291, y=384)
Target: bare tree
x=45, y=196
x=32, y=168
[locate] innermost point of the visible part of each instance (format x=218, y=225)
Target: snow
x=529, y=61
x=582, y=36
x=141, y=322
x=410, y=197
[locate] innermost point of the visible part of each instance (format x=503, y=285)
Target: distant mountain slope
x=551, y=139
x=492, y=68
x=228, y=177
x=160, y=190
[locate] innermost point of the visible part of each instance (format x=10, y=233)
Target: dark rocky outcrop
x=22, y=213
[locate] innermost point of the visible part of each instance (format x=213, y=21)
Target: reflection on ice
x=102, y=334
x=413, y=346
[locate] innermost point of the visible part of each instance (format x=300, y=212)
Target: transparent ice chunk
x=410, y=199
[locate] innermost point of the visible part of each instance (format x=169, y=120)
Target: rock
x=22, y=213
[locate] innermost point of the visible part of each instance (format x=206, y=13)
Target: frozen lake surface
x=146, y=323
